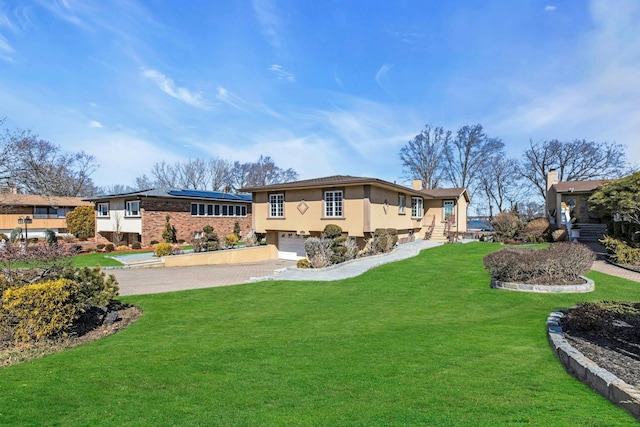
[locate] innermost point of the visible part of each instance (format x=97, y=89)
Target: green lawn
x=420, y=342
x=102, y=259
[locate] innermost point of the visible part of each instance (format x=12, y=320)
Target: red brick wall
x=154, y=212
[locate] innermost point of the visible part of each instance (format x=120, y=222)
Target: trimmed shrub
x=331, y=231
x=319, y=251
x=154, y=242
x=50, y=236
x=15, y=234
x=303, y=263
x=616, y=319
x=110, y=247
x=505, y=226
x=95, y=288
x=164, y=249
x=123, y=248
x=169, y=232
x=236, y=229
x=40, y=310
x=559, y=263
x=536, y=230
x=4, y=237
x=136, y=245
x=230, y=240
x=559, y=235
x=100, y=246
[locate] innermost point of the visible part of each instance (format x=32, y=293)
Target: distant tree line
x=30, y=165
x=472, y=159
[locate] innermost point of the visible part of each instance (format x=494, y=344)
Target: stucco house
x=140, y=216
x=289, y=213
x=575, y=195
x=39, y=213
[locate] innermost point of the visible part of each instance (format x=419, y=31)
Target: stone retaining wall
x=588, y=286
x=587, y=371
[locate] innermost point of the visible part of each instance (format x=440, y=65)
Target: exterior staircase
x=592, y=232
x=438, y=234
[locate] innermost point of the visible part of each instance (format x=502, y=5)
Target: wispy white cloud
x=381, y=74
x=229, y=98
x=66, y=10
x=168, y=86
x=549, y=8
x=601, y=104
x=95, y=124
x=281, y=73
x=269, y=20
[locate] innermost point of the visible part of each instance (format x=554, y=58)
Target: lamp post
x=26, y=221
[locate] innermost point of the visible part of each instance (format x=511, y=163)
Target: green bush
x=110, y=247
x=95, y=288
x=136, y=245
x=50, y=236
x=331, y=231
x=100, y=246
x=164, y=249
x=15, y=234
x=621, y=252
x=558, y=263
x=169, y=232
x=40, y=310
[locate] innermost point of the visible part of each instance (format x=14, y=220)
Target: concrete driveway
x=137, y=281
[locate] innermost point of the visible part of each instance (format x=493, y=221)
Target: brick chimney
x=417, y=184
x=552, y=178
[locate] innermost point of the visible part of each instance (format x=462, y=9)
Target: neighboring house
x=140, y=216
x=44, y=213
x=289, y=213
x=575, y=195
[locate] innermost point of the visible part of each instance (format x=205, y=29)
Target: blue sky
x=332, y=87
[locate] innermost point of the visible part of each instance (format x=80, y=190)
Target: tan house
x=289, y=213
x=140, y=216
x=575, y=196
x=34, y=214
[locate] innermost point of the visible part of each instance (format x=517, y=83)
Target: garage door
x=291, y=246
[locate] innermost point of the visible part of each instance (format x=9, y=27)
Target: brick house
x=140, y=216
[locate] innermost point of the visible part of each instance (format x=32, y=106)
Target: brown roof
x=580, y=186
x=337, y=180
x=446, y=193
x=36, y=200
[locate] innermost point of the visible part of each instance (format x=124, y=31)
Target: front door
x=448, y=210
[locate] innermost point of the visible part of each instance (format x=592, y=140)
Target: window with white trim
x=401, y=203
x=333, y=203
x=103, y=209
x=133, y=208
x=276, y=205
x=416, y=207
x=209, y=209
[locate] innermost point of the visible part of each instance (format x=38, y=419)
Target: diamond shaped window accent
x=302, y=207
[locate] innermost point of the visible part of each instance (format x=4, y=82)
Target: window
x=225, y=210
x=333, y=203
x=401, y=203
x=210, y=210
x=103, y=209
x=416, y=207
x=276, y=205
x=448, y=209
x=216, y=210
x=133, y=208
x=45, y=212
x=239, y=211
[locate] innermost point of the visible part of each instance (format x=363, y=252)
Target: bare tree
x=576, y=160
x=262, y=172
x=498, y=182
x=466, y=154
x=164, y=175
x=423, y=157
x=117, y=228
x=35, y=166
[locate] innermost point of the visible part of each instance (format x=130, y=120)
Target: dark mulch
x=611, y=339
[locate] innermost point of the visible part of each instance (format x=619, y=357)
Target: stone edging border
x=588, y=286
x=587, y=371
